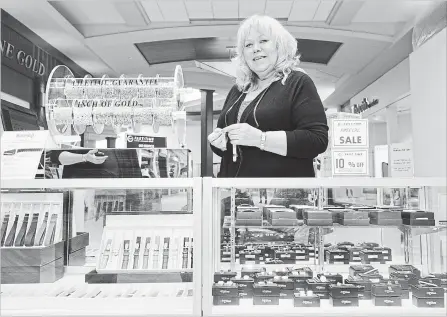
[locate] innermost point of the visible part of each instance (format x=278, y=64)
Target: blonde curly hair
x=286, y=44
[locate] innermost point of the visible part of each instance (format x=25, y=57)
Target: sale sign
x=350, y=162
x=350, y=133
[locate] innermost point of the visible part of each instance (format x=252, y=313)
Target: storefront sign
x=364, y=105
x=22, y=58
x=21, y=153
x=145, y=141
x=401, y=160
x=352, y=133
x=350, y=162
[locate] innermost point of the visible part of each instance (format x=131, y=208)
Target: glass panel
x=130, y=250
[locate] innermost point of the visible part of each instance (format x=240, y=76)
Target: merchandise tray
x=155, y=276
x=366, y=308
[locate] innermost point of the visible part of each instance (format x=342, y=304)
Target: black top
x=295, y=108
x=120, y=163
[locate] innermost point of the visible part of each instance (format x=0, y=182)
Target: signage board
x=350, y=162
x=349, y=133
x=140, y=141
x=401, y=158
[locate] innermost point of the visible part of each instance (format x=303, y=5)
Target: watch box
x=360, y=282
x=317, y=286
x=404, y=269
x=353, y=218
x=284, y=283
x=265, y=209
x=224, y=276
x=385, y=218
x=266, y=289
x=337, y=256
x=354, y=252
x=299, y=210
x=306, y=301
x=318, y=218
x=255, y=256
x=354, y=270
x=285, y=293
x=428, y=302
x=266, y=300
x=418, y=218
x=387, y=290
x=333, y=278
x=370, y=256
x=225, y=290
x=345, y=302
x=387, y=301
x=250, y=272
x=264, y=276
x=243, y=283
x=386, y=252
x=422, y=291
x=343, y=291
x=225, y=301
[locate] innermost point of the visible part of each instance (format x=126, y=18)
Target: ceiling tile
x=87, y=12
x=248, y=7
x=303, y=10
x=131, y=13
x=225, y=9
x=199, y=9
x=173, y=11
x=278, y=8
x=324, y=9
x=152, y=10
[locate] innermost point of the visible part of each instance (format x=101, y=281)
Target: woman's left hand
x=243, y=134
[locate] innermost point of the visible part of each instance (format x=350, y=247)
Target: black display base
x=138, y=277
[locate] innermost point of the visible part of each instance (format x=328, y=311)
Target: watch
x=125, y=255
x=263, y=138
x=136, y=254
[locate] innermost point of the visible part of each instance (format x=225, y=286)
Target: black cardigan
x=294, y=107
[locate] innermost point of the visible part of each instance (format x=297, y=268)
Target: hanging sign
x=351, y=133
x=350, y=162
x=144, y=141
x=401, y=160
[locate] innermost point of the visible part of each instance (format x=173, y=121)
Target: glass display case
x=324, y=247
x=101, y=247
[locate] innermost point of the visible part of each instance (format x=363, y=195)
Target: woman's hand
x=92, y=158
x=218, y=139
x=243, y=134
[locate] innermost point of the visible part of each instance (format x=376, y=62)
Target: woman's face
x=260, y=53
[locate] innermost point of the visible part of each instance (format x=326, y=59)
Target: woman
x=273, y=122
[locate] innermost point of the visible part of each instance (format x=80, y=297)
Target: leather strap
x=164, y=264
x=106, y=255
x=156, y=252
x=29, y=238
x=136, y=254
x=125, y=255
x=20, y=239
x=41, y=232
x=147, y=248
x=49, y=238
x=4, y=229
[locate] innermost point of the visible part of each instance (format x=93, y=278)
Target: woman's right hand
x=218, y=139
x=92, y=158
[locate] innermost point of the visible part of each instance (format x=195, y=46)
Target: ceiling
x=345, y=45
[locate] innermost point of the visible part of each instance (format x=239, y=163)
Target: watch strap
x=20, y=239
x=41, y=232
x=49, y=238
x=106, y=255
x=31, y=234
x=125, y=255
x=263, y=139
x=4, y=229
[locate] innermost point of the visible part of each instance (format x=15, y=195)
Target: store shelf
x=113, y=299
x=285, y=308
x=97, y=183
x=365, y=182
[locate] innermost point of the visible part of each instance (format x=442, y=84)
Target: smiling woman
x=273, y=123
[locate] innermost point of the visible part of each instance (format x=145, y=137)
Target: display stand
x=383, y=259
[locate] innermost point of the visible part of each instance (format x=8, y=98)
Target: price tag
x=351, y=133
x=353, y=162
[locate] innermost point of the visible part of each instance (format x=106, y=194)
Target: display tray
x=366, y=308
x=162, y=276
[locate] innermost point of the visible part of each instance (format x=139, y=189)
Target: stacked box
x=337, y=256
x=370, y=256
x=354, y=252
x=306, y=300
x=442, y=277
x=364, y=287
x=244, y=286
x=385, y=218
x=281, y=217
x=344, y=295
x=418, y=218
x=266, y=293
x=428, y=296
x=225, y=294
x=299, y=209
x=251, y=256
x=319, y=288
x=300, y=276
x=387, y=294
x=248, y=216
x=318, y=218
x=349, y=217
